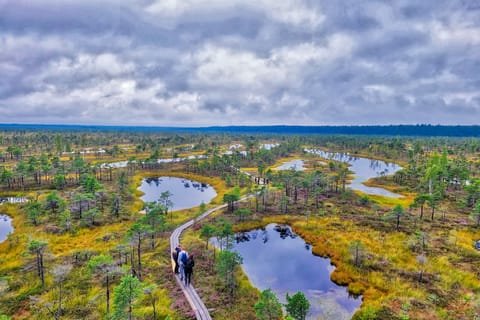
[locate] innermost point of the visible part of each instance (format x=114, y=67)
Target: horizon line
x=240, y=126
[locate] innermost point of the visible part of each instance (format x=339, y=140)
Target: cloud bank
x=215, y=62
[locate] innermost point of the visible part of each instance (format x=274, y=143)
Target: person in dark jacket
x=189, y=269
x=175, y=257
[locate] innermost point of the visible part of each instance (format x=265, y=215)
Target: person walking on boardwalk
x=175, y=257
x=182, y=260
x=189, y=269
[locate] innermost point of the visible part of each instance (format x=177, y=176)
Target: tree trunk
x=130, y=313
x=39, y=268
x=152, y=238
x=42, y=274
x=108, y=297
x=139, y=252
x=132, y=261
x=59, y=312
x=154, y=309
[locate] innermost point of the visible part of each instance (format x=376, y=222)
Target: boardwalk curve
x=201, y=311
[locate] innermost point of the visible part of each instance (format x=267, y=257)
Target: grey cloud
x=195, y=62
x=392, y=44
x=63, y=17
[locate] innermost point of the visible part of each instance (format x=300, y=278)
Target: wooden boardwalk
x=201, y=311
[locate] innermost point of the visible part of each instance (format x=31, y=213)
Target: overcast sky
x=240, y=62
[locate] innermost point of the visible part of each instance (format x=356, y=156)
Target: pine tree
x=125, y=294
x=297, y=306
x=268, y=307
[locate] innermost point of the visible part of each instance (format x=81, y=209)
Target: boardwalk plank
x=197, y=305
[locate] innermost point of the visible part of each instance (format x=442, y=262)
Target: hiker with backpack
x=189, y=269
x=182, y=261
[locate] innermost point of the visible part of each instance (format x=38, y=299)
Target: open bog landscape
x=239, y=160
x=356, y=233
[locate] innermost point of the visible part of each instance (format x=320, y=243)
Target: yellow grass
x=331, y=237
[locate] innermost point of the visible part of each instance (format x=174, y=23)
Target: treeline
x=421, y=130
x=19, y=143
x=390, y=130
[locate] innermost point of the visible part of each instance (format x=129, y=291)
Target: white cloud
x=14, y=47
x=290, y=12
x=219, y=67
x=464, y=97
x=463, y=33
x=289, y=100
x=337, y=46
x=376, y=93
x=106, y=64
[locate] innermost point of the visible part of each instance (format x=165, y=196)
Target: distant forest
x=421, y=130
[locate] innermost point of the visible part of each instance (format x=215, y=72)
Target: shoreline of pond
x=7, y=219
x=355, y=181
x=214, y=183
x=291, y=221
x=335, y=286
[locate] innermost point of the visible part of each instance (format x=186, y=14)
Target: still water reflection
x=5, y=226
x=184, y=193
x=363, y=170
x=276, y=258
x=296, y=164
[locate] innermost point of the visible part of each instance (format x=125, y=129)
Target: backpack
x=183, y=257
x=190, y=263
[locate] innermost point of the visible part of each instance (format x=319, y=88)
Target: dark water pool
x=5, y=226
x=185, y=193
x=277, y=258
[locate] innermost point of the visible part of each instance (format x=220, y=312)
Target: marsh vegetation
x=85, y=236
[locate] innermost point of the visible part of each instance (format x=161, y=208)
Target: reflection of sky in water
x=296, y=164
x=269, y=146
x=124, y=164
x=240, y=152
x=185, y=193
x=288, y=265
x=363, y=169
x=5, y=226
x=13, y=200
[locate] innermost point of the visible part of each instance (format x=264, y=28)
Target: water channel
x=184, y=193
x=363, y=170
x=276, y=258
